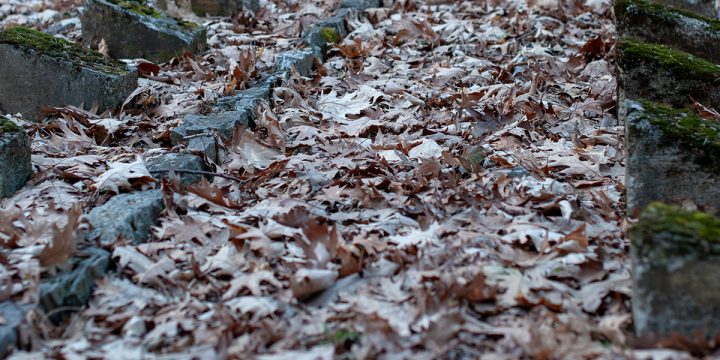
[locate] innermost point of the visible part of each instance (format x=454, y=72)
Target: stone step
x=675, y=261
x=672, y=156
x=15, y=166
x=127, y=216
x=157, y=165
x=705, y=8
x=215, y=7
x=662, y=74
x=682, y=30
x=134, y=29
x=52, y=71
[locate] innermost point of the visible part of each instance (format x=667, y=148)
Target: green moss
x=330, y=35
x=7, y=125
x=187, y=25
x=681, y=127
x=660, y=12
x=633, y=52
x=666, y=231
x=137, y=6
x=46, y=44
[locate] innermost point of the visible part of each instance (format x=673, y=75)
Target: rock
x=15, y=167
x=73, y=288
x=134, y=29
x=675, y=261
x=702, y=7
x=223, y=123
x=218, y=7
x=324, y=34
x=206, y=145
x=13, y=315
x=128, y=216
x=302, y=60
x=360, y=4
x=174, y=161
x=662, y=74
x=30, y=60
x=672, y=156
x=682, y=30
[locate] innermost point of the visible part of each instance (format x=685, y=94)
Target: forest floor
x=451, y=180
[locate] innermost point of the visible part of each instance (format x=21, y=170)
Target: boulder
x=174, y=161
x=675, y=261
x=134, y=29
x=39, y=69
x=13, y=315
x=701, y=7
x=127, y=216
x=15, y=167
x=73, y=288
x=682, y=30
x=662, y=74
x=673, y=156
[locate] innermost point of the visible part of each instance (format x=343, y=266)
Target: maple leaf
x=352, y=103
x=123, y=175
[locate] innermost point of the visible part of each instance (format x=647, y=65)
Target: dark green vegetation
x=666, y=231
x=7, y=125
x=137, y=6
x=661, y=12
x=633, y=53
x=330, y=35
x=187, y=25
x=46, y=44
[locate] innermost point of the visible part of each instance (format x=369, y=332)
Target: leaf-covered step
x=673, y=156
x=39, y=69
x=680, y=29
x=135, y=29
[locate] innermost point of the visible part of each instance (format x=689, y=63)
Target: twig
x=198, y=172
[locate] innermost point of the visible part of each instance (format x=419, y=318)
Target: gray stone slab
x=137, y=30
x=206, y=144
x=360, y=4
x=675, y=261
x=672, y=156
x=128, y=216
x=174, y=161
x=651, y=22
x=14, y=315
x=38, y=69
x=662, y=74
x=15, y=166
x=701, y=7
x=223, y=123
x=302, y=60
x=69, y=290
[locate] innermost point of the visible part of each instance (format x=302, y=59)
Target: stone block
x=15, y=167
x=321, y=37
x=672, y=156
x=73, y=288
x=38, y=69
x=662, y=74
x=360, y=4
x=682, y=30
x=675, y=261
x=128, y=216
x=222, y=7
x=223, y=123
x=204, y=144
x=705, y=8
x=302, y=60
x=134, y=29
x=13, y=315
x=174, y=161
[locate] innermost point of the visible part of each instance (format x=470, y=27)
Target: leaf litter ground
x=447, y=185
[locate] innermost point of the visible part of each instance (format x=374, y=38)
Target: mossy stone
x=330, y=35
x=7, y=126
x=140, y=7
x=634, y=52
x=46, y=44
x=668, y=13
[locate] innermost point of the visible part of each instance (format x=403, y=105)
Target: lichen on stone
x=667, y=13
x=633, y=52
x=7, y=126
x=140, y=7
x=46, y=44
x=664, y=232
x=330, y=35
x=187, y=25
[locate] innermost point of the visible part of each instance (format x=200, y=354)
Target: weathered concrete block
x=324, y=34
x=655, y=23
x=129, y=216
x=134, y=29
x=672, y=156
x=174, y=161
x=675, y=260
x=662, y=74
x=38, y=69
x=360, y=4
x=13, y=315
x=702, y=7
x=75, y=287
x=302, y=60
x=15, y=167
